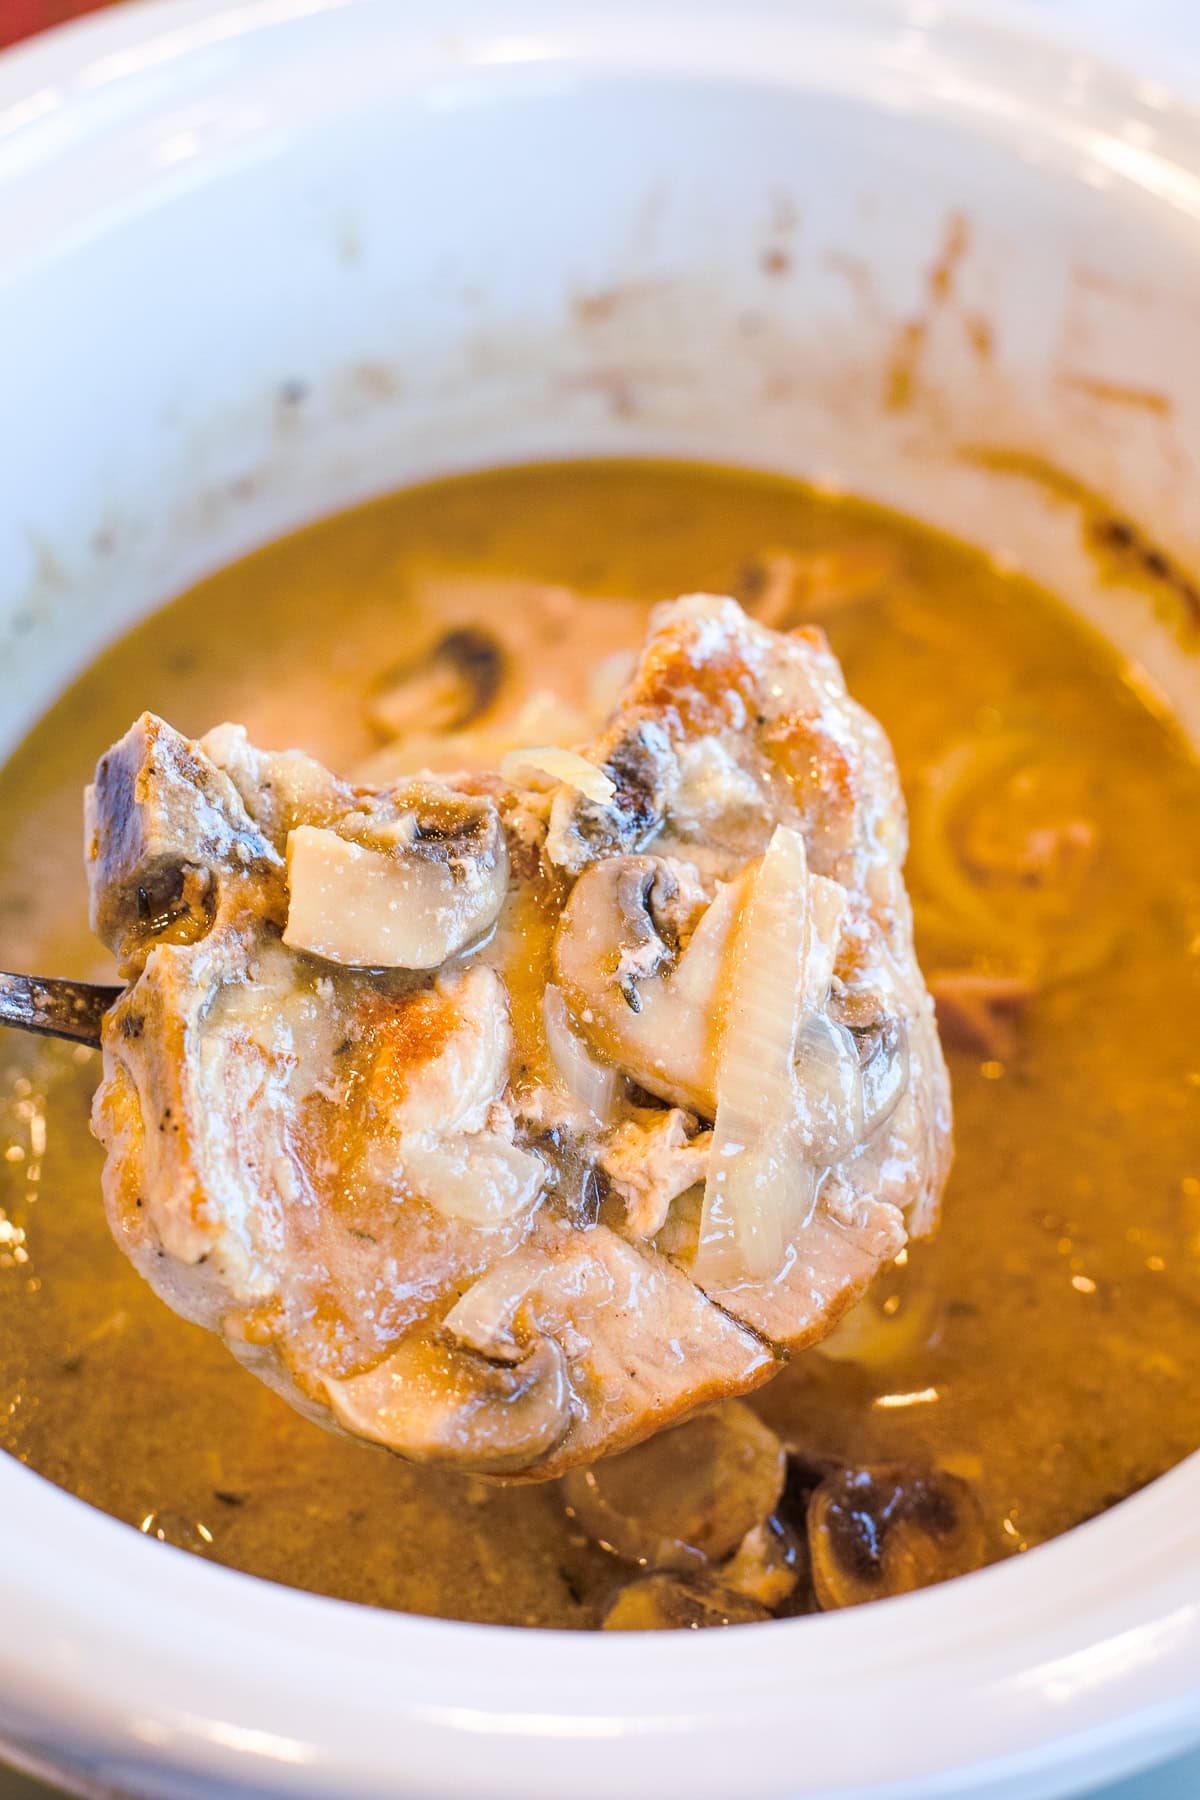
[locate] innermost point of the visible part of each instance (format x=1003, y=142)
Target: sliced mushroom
x=278, y=788
x=481, y=1179
x=883, y=1061
x=769, y=1566
x=650, y=1010
x=657, y=1013
x=448, y=687
x=851, y=1082
x=667, y=1603
x=593, y=1084
x=403, y=883
x=685, y=1498
x=642, y=766
x=873, y=1533
x=830, y=1090
x=165, y=834
x=440, y=1403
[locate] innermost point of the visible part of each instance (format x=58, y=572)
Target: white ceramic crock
x=858, y=239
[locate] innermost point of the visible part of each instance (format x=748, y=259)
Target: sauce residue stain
x=1127, y=551
x=1118, y=393
x=858, y=277
x=371, y=380
x=775, y=259
x=1096, y=282
x=1139, y=560
x=596, y=306
x=1038, y=469
x=904, y=365
x=981, y=336
x=902, y=369
x=944, y=272
x=615, y=388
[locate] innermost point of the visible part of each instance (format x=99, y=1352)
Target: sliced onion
x=761, y=1186
x=768, y=1564
x=826, y=910
x=565, y=766
x=559, y=1293
x=591, y=1083
x=483, y=1179
x=483, y=1317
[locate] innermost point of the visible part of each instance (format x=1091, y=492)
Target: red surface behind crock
x=21, y=18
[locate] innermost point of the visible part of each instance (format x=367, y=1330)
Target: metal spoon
x=65, y=1009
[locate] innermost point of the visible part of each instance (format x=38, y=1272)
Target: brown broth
x=1044, y=1346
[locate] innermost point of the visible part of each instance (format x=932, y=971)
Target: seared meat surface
x=505, y=1119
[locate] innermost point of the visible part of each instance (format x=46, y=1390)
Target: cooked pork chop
x=505, y=1119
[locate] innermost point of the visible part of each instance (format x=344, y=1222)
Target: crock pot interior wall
x=264, y=325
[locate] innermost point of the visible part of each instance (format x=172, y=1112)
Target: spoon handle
x=66, y=1009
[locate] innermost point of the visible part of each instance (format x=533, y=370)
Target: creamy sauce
x=1043, y=1347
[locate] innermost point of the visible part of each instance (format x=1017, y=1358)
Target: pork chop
x=504, y=1119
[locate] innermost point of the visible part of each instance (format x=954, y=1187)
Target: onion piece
x=482, y=1179
x=589, y=1081
x=768, y=1565
x=529, y=1283
x=564, y=766
x=483, y=1316
x=760, y=1186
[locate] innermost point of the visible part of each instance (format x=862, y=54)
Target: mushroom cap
x=446, y=1403
x=652, y=1010
x=879, y=1532
x=401, y=883
x=686, y=1497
